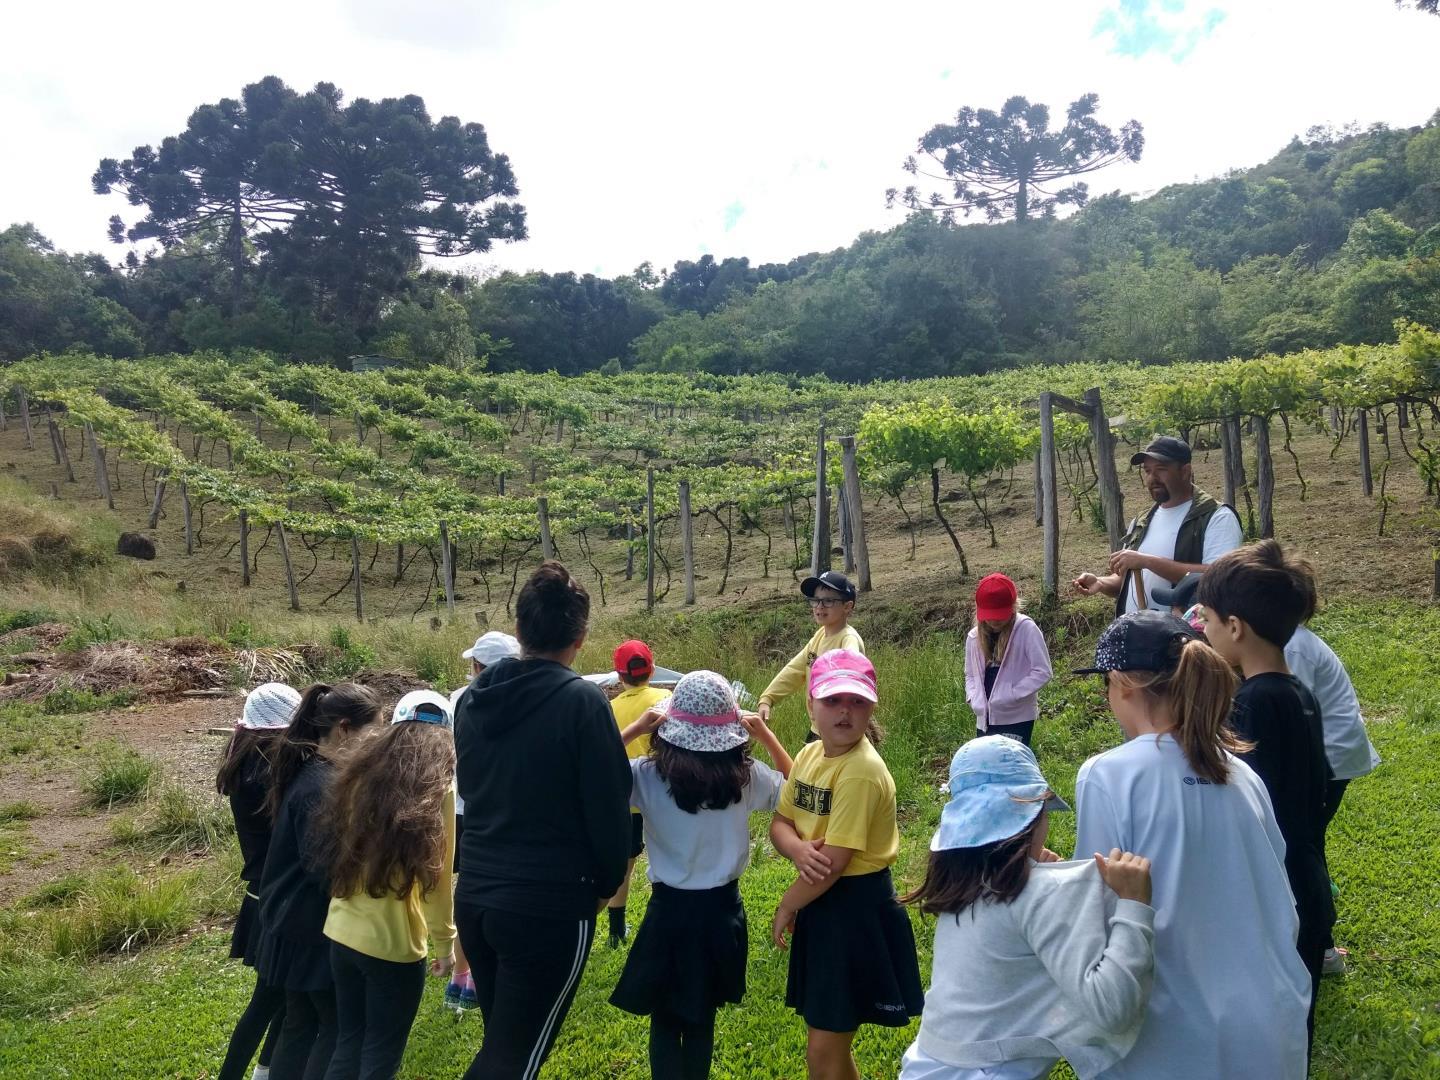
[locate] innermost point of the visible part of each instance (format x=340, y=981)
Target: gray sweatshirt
x=1063, y=971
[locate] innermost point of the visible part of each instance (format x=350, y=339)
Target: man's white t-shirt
x=706, y=849
x=1346, y=745
x=1231, y=993
x=1222, y=534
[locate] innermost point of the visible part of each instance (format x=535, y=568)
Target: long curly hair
x=382, y=831
x=702, y=780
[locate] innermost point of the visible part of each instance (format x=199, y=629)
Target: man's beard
x=1160, y=493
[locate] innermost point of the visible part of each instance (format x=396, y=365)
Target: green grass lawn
x=167, y=1011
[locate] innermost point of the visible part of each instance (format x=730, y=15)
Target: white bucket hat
x=269, y=707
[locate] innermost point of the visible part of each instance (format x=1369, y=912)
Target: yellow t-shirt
x=391, y=929
x=849, y=800
x=627, y=707
x=796, y=674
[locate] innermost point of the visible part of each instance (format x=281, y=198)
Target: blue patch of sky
x=1142, y=27
x=731, y=215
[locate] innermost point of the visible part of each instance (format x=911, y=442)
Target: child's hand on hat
x=811, y=861
x=753, y=723
x=1126, y=873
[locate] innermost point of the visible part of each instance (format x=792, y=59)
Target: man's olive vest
x=1189, y=541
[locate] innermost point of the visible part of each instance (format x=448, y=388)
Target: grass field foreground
x=167, y=1010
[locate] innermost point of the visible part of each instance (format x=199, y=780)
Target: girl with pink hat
x=696, y=788
x=1006, y=662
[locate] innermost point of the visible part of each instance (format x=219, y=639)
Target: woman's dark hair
x=322, y=708
x=961, y=877
x=553, y=610
x=382, y=831
x=702, y=779
x=247, y=750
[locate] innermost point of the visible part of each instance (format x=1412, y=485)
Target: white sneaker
x=1334, y=962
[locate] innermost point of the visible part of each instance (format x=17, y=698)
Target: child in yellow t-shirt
x=832, y=600
x=635, y=664
x=852, y=952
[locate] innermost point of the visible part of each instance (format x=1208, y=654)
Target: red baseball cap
x=995, y=597
x=633, y=658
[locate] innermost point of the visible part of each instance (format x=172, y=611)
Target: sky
x=657, y=130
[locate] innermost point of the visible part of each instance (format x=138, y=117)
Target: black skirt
x=852, y=958
x=688, y=957
x=245, y=940
x=292, y=964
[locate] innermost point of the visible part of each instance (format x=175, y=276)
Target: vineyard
x=416, y=476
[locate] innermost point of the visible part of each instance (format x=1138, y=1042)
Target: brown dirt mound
x=38, y=637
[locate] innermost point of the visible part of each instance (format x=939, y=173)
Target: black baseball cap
x=1164, y=448
x=831, y=579
x=1141, y=641
x=1181, y=594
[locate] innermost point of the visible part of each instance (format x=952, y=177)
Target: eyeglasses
x=824, y=603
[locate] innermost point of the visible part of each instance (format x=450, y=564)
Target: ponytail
x=1198, y=693
x=322, y=709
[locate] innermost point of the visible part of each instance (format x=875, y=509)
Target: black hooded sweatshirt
x=546, y=784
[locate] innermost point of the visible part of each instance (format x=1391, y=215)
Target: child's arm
x=974, y=676
x=809, y=856
x=803, y=893
x=789, y=679
x=439, y=902
x=648, y=721
x=762, y=734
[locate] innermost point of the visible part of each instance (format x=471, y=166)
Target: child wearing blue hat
x=1035, y=959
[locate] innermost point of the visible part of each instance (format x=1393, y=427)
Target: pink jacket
x=1024, y=669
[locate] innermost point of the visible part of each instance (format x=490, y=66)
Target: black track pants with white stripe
x=526, y=972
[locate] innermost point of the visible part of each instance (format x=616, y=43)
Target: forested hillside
x=1330, y=241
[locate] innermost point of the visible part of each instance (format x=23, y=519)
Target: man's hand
x=1122, y=562
x=812, y=862
x=1087, y=585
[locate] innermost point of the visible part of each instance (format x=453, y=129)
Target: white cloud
x=633, y=126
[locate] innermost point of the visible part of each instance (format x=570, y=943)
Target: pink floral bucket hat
x=701, y=714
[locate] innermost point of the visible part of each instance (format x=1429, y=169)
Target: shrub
x=120, y=912
x=121, y=777
x=71, y=699
x=181, y=820
x=93, y=632
x=23, y=810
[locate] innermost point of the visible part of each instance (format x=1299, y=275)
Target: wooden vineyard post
x=62, y=452
x=23, y=400
x=447, y=568
x=189, y=518
x=649, y=539
x=355, y=571
x=1050, y=580
x=1362, y=430
x=687, y=541
x=1111, y=498
x=4, y=425
x=154, y=520
x=245, y=548
x=289, y=569
x=102, y=474
x=547, y=545
x=629, y=549
x=820, y=540
x=1230, y=450
x=842, y=522
x=855, y=512
x=1264, y=476
x=1039, y=492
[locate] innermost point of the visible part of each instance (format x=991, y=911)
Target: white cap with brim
x=423, y=707
x=996, y=791
x=491, y=647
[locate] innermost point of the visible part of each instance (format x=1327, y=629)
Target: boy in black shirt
x=1253, y=600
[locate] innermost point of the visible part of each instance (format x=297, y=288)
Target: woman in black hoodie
x=546, y=786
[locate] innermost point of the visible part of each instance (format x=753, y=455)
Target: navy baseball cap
x=1141, y=641
x=830, y=579
x=1164, y=448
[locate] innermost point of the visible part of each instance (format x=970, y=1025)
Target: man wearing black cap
x=1185, y=531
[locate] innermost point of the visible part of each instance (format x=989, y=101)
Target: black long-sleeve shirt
x=1281, y=717
x=546, y=785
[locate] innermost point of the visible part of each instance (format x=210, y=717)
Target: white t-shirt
x=918, y=1065
x=1222, y=534
x=1346, y=745
x=705, y=849
x=1230, y=993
